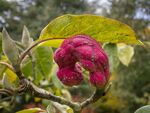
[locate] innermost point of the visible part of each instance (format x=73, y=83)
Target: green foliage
x=9, y=48
x=125, y=53
x=50, y=108
x=54, y=78
x=2, y=69
x=100, y=28
x=6, y=83
x=111, y=50
x=0, y=43
x=144, y=109
x=26, y=39
x=39, y=63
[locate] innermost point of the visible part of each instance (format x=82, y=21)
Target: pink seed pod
x=88, y=65
x=79, y=40
x=90, y=55
x=63, y=57
x=83, y=52
x=98, y=79
x=70, y=76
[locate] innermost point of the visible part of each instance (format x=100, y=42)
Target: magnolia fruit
x=77, y=51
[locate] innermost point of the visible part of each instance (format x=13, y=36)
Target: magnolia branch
x=7, y=65
x=30, y=87
x=41, y=93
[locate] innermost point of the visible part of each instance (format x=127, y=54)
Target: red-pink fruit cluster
x=89, y=54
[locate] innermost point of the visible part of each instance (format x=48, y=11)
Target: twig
x=5, y=99
x=7, y=65
x=41, y=93
x=96, y=96
x=26, y=52
x=6, y=91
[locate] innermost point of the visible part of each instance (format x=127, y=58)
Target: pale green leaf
x=9, y=48
x=26, y=40
x=63, y=108
x=111, y=50
x=0, y=43
x=144, y=109
x=6, y=82
x=39, y=64
x=125, y=53
x=50, y=108
x=100, y=28
x=31, y=110
x=54, y=78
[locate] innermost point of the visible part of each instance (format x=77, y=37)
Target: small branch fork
x=30, y=87
x=26, y=52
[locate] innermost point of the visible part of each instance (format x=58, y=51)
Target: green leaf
x=39, y=64
x=9, y=48
x=111, y=50
x=50, y=108
x=125, y=53
x=0, y=43
x=62, y=108
x=54, y=78
x=26, y=40
x=3, y=67
x=144, y=109
x=100, y=28
x=9, y=79
x=31, y=110
x=6, y=83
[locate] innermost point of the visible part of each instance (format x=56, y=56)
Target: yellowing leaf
x=2, y=70
x=31, y=110
x=11, y=75
x=9, y=78
x=36, y=99
x=125, y=53
x=69, y=110
x=100, y=28
x=0, y=43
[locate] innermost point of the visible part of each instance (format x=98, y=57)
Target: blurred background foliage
x=131, y=85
